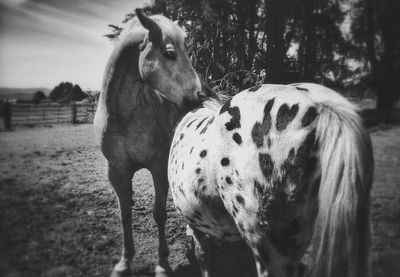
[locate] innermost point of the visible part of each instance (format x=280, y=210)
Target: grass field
x=59, y=214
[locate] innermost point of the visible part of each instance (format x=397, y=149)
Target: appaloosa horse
x=281, y=167
x=134, y=124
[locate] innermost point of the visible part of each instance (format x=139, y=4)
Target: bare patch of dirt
x=59, y=214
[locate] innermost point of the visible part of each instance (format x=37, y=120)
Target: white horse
x=282, y=167
x=134, y=124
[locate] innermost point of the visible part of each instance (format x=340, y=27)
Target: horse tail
x=342, y=236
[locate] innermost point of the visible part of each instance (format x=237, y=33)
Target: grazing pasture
x=59, y=215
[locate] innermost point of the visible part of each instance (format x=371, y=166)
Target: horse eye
x=170, y=54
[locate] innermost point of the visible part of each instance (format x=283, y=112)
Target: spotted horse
x=285, y=168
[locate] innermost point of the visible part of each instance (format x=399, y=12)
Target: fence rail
x=52, y=113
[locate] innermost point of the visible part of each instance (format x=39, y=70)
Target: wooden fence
x=52, y=113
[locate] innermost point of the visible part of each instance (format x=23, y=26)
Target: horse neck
x=125, y=95
x=123, y=88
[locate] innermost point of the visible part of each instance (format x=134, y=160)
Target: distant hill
x=20, y=93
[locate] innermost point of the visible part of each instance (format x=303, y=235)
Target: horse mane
x=213, y=100
x=122, y=70
x=169, y=29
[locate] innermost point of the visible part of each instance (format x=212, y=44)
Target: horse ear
x=155, y=33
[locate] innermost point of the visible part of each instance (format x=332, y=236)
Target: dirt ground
x=59, y=216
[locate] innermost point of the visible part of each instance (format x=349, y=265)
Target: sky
x=45, y=42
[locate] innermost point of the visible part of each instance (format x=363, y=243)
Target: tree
x=38, y=97
x=235, y=44
x=275, y=30
x=67, y=92
x=376, y=34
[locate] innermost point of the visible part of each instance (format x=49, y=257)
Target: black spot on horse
x=200, y=181
x=228, y=180
x=285, y=116
x=305, y=148
x=191, y=150
x=181, y=136
x=300, y=88
x=201, y=122
x=203, y=153
x=190, y=123
x=225, y=107
x=207, y=124
x=181, y=190
x=255, y=88
x=204, y=129
x=240, y=200
x=234, y=122
x=235, y=209
x=225, y=162
x=183, y=166
x=269, y=141
x=257, y=134
x=309, y=117
x=259, y=130
x=266, y=164
x=237, y=138
x=300, y=164
x=198, y=170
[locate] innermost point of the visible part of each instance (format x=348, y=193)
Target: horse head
x=163, y=61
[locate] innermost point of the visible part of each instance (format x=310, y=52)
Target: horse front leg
x=160, y=216
x=122, y=184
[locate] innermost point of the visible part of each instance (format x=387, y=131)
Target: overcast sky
x=44, y=42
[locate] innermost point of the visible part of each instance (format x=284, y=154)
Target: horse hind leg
x=201, y=251
x=268, y=261
x=160, y=216
x=122, y=184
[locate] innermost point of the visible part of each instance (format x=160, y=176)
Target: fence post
x=7, y=115
x=58, y=113
x=73, y=113
x=29, y=111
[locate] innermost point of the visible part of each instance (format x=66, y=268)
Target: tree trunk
x=308, y=44
x=383, y=71
x=275, y=28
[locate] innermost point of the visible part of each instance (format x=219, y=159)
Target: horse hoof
x=162, y=272
x=122, y=269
